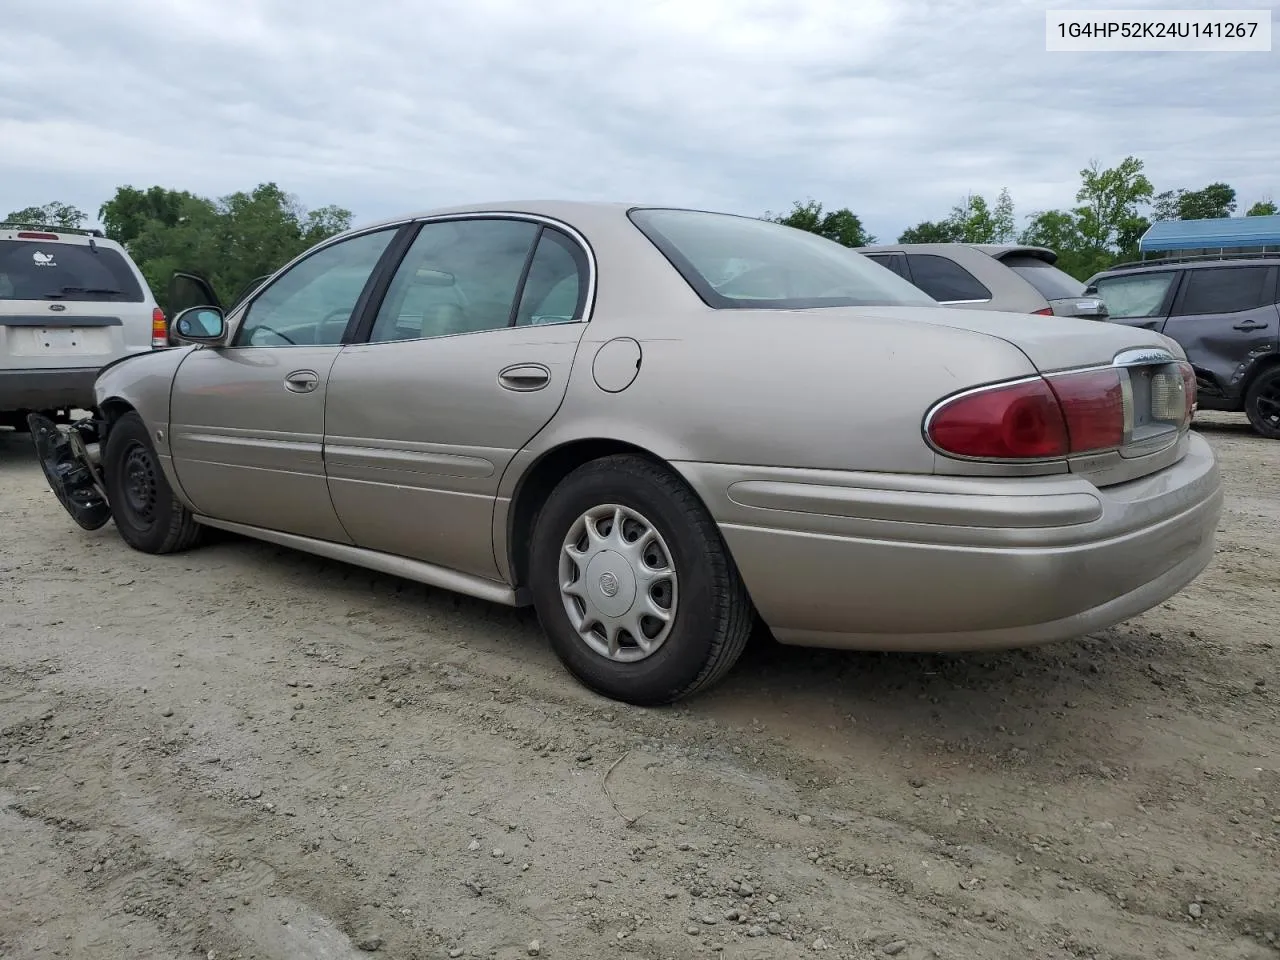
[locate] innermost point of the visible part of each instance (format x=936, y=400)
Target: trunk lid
x=1146, y=361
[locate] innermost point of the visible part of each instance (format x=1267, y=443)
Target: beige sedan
x=659, y=426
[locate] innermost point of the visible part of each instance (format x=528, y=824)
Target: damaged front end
x=71, y=461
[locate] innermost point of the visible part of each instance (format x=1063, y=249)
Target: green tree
x=1263, y=208
x=55, y=214
x=842, y=226
x=1109, y=200
x=929, y=231
x=127, y=214
x=976, y=221
x=1209, y=203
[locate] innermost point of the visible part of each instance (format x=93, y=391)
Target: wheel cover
x=618, y=583
x=141, y=489
x=1267, y=403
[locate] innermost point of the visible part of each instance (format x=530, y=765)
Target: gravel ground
x=248, y=752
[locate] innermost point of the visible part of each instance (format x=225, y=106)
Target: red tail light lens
x=1046, y=312
x=159, y=329
x=1033, y=419
x=1189, y=385
x=1093, y=406
x=1019, y=421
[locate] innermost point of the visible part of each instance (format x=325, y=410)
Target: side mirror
x=200, y=325
x=1093, y=307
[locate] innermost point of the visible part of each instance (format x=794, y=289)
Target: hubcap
x=618, y=583
x=140, y=483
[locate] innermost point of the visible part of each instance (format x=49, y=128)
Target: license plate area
x=59, y=341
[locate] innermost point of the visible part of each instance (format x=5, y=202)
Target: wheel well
x=1269, y=362
x=538, y=482
x=113, y=409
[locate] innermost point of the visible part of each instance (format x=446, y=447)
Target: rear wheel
x=634, y=585
x=1262, y=403
x=147, y=514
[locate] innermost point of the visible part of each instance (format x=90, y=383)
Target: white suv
x=71, y=302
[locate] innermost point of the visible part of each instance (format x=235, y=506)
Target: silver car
x=991, y=276
x=658, y=426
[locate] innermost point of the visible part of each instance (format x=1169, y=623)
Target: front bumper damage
x=71, y=461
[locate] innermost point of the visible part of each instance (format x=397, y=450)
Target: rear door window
x=1050, y=282
x=35, y=270
x=1136, y=294
x=1226, y=290
x=945, y=280
x=894, y=261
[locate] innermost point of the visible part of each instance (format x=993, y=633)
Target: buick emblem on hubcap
x=608, y=584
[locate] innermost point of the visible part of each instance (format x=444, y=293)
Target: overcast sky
x=894, y=108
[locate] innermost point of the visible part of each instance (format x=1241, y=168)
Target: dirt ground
x=248, y=752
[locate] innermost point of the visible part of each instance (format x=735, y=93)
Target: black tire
x=713, y=616
x=147, y=514
x=1262, y=403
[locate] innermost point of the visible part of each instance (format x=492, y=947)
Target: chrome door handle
x=302, y=381
x=524, y=377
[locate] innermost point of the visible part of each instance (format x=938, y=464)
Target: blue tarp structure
x=1220, y=234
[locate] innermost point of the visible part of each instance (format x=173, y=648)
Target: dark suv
x=1225, y=315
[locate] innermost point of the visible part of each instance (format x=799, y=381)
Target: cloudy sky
x=895, y=108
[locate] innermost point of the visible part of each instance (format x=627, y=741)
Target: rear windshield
x=743, y=263
x=34, y=270
x=1052, y=283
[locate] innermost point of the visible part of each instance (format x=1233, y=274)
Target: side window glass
x=311, y=304
x=1225, y=290
x=555, y=290
x=459, y=276
x=944, y=279
x=1135, y=295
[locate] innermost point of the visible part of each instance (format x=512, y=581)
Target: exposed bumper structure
x=928, y=563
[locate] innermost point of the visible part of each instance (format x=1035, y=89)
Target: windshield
x=1049, y=281
x=1135, y=294
x=35, y=270
x=743, y=263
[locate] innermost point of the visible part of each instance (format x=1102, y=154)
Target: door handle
x=524, y=377
x=302, y=381
x=1250, y=325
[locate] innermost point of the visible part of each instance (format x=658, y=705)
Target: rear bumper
x=895, y=562
x=47, y=389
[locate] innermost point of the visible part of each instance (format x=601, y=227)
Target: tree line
x=236, y=238
x=230, y=240
x=1114, y=207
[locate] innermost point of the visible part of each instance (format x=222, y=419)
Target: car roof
x=83, y=238
x=1124, y=269
x=570, y=211
x=998, y=251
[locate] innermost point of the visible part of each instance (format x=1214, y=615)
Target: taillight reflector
x=159, y=329
x=32, y=235
x=1046, y=312
x=1033, y=419
x=1190, y=390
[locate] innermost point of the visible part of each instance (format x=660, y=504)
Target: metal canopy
x=1220, y=234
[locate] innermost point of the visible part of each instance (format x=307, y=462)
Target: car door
x=1224, y=317
x=247, y=420
x=1139, y=299
x=467, y=358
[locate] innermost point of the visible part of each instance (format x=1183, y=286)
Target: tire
x=710, y=614
x=147, y=514
x=1262, y=403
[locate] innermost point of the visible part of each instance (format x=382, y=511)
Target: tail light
x=1035, y=419
x=159, y=329
x=1046, y=312
x=1189, y=389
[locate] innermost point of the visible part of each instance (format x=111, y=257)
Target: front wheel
x=1262, y=403
x=633, y=583
x=147, y=514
